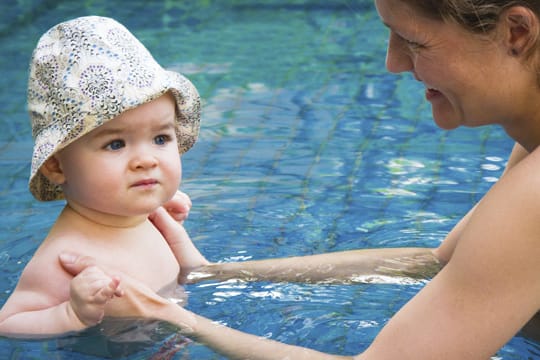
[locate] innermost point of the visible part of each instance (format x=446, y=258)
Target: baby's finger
x=117, y=289
x=105, y=290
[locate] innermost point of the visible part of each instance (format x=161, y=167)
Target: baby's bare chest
x=143, y=254
x=149, y=260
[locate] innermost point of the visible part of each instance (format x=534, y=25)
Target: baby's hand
x=137, y=299
x=179, y=206
x=90, y=291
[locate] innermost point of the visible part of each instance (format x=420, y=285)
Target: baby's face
x=128, y=166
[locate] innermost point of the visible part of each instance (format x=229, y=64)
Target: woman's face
x=462, y=72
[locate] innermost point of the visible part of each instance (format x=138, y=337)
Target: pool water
x=307, y=146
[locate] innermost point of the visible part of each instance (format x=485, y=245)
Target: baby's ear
x=52, y=170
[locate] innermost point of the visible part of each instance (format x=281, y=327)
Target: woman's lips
x=432, y=94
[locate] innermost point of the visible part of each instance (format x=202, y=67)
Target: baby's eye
x=115, y=145
x=162, y=139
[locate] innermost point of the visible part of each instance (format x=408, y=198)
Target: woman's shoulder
x=500, y=245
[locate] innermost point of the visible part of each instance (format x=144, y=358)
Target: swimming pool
x=307, y=145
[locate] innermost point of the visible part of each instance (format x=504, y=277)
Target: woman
x=479, y=63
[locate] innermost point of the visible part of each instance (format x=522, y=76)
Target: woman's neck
x=523, y=125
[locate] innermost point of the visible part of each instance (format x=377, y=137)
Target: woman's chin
x=445, y=122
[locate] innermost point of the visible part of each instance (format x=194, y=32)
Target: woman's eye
x=162, y=139
x=413, y=44
x=115, y=145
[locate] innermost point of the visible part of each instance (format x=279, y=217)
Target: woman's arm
x=446, y=249
x=366, y=265
x=369, y=265
x=235, y=344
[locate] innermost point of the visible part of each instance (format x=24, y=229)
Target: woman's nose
x=398, y=56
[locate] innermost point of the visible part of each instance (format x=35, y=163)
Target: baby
x=108, y=123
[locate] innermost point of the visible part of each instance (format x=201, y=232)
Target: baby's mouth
x=146, y=182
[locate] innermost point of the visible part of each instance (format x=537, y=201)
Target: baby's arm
x=32, y=311
x=167, y=220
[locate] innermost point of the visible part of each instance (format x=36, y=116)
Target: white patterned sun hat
x=85, y=72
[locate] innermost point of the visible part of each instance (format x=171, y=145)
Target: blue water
x=307, y=145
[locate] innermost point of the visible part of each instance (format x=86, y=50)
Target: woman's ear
x=521, y=30
x=52, y=170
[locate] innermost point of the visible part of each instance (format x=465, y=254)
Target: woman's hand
x=178, y=207
x=168, y=220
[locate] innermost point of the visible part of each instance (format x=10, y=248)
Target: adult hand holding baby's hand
x=91, y=290
x=93, y=297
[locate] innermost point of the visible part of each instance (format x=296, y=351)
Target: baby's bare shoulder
x=42, y=284
x=44, y=276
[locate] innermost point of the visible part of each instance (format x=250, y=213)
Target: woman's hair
x=477, y=16
x=480, y=17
